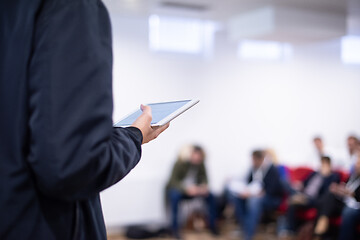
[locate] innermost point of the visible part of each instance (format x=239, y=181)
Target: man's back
x=15, y=47
x=58, y=149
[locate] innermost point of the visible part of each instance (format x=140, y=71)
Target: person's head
x=185, y=153
x=270, y=154
x=197, y=155
x=319, y=145
x=325, y=164
x=352, y=143
x=258, y=158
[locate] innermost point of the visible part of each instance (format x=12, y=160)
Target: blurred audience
x=308, y=194
x=353, y=145
x=268, y=185
x=270, y=155
x=319, y=146
x=261, y=192
x=347, y=161
x=189, y=180
x=343, y=199
x=314, y=160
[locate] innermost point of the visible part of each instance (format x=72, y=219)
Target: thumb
x=146, y=113
x=145, y=109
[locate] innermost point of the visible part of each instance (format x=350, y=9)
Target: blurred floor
x=205, y=236
x=228, y=232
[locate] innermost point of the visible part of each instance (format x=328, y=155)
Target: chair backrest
x=299, y=173
x=344, y=176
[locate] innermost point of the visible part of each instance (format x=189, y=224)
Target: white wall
x=244, y=105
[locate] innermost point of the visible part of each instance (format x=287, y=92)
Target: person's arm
x=272, y=183
x=75, y=152
x=307, y=179
x=249, y=177
x=333, y=178
x=357, y=194
x=203, y=178
x=176, y=177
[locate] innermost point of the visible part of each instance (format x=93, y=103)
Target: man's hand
x=144, y=124
x=203, y=190
x=299, y=198
x=245, y=195
x=298, y=185
x=333, y=188
x=340, y=190
x=192, y=191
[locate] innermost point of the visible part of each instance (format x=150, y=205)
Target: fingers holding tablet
x=143, y=122
x=152, y=119
x=161, y=113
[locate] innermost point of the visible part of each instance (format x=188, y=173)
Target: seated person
x=189, y=180
x=270, y=155
x=261, y=192
x=308, y=194
x=350, y=221
x=342, y=199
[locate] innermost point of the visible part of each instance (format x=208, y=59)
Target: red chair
x=307, y=215
x=299, y=174
x=311, y=214
x=344, y=176
x=294, y=175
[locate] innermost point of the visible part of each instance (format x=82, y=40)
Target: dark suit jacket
x=58, y=148
x=272, y=182
x=357, y=190
x=326, y=183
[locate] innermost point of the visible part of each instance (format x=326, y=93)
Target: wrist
x=137, y=131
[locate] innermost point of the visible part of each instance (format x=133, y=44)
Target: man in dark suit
x=264, y=193
x=58, y=148
x=308, y=194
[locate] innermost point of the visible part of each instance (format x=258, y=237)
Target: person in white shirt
x=314, y=159
x=347, y=161
x=352, y=144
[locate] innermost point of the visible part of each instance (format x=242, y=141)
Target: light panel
x=170, y=34
x=264, y=50
x=350, y=49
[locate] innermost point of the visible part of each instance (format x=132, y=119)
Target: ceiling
x=222, y=10
x=216, y=9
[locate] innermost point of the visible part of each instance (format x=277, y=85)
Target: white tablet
x=162, y=113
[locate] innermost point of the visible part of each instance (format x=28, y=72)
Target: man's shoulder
x=58, y=4
x=273, y=169
x=72, y=1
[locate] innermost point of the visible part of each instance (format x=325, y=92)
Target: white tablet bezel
x=168, y=118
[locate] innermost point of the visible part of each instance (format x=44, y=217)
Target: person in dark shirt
x=58, y=149
x=189, y=180
x=250, y=205
x=342, y=199
x=308, y=194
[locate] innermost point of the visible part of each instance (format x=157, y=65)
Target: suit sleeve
x=357, y=194
x=308, y=178
x=177, y=176
x=249, y=177
x=272, y=182
x=75, y=152
x=203, y=175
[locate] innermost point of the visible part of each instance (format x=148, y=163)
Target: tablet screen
x=159, y=112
